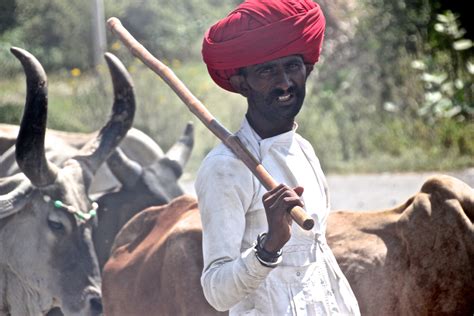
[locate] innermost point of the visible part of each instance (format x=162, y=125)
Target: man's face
x=275, y=90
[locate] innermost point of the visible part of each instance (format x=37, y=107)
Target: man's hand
x=277, y=203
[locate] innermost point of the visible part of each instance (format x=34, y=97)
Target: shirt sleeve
x=224, y=187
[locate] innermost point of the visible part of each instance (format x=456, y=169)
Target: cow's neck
x=18, y=297
x=3, y=223
x=3, y=293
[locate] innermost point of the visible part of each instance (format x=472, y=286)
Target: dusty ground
x=374, y=191
x=377, y=191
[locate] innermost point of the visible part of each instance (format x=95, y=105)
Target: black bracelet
x=269, y=258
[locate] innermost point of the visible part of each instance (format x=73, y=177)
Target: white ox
x=47, y=257
x=8, y=134
x=60, y=145
x=137, y=175
x=137, y=184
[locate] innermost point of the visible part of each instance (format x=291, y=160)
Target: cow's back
x=416, y=259
x=156, y=264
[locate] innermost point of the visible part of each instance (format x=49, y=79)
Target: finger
x=287, y=199
x=272, y=195
x=271, y=192
x=292, y=201
x=299, y=190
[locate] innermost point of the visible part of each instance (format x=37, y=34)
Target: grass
x=344, y=145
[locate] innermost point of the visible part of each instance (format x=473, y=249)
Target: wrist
x=269, y=245
x=266, y=258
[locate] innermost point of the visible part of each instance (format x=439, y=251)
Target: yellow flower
x=75, y=72
x=116, y=45
x=176, y=63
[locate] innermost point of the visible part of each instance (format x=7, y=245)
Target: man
x=265, y=50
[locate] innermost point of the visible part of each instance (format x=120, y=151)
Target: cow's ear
x=125, y=170
x=15, y=200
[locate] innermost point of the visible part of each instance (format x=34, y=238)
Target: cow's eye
x=55, y=225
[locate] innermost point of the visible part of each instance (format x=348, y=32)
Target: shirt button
x=298, y=273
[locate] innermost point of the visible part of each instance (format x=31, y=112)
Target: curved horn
x=124, y=169
x=94, y=153
x=14, y=201
x=30, y=154
x=180, y=152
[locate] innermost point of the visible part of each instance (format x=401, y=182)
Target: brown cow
x=415, y=259
x=156, y=264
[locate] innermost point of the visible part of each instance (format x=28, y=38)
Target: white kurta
x=308, y=281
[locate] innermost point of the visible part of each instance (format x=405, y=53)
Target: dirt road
x=378, y=191
x=374, y=191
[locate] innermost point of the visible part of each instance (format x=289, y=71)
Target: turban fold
x=258, y=31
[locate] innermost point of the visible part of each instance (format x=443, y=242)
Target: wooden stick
x=198, y=109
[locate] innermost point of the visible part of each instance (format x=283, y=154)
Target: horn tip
x=109, y=57
x=120, y=76
x=19, y=52
x=115, y=64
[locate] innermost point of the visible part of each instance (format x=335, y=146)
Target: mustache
x=279, y=92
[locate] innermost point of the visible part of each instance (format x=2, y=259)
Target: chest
x=290, y=164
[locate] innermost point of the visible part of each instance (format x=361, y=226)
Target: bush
x=393, y=89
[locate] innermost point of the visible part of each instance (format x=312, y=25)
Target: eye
x=55, y=225
x=265, y=71
x=294, y=66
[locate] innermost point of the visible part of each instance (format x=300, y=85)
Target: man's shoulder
x=220, y=166
x=222, y=153
x=220, y=157
x=303, y=141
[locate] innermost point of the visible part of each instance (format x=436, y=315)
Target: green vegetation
x=393, y=91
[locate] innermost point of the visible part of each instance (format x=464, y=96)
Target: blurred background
x=393, y=90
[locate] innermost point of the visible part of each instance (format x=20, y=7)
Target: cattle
x=139, y=175
x=47, y=257
x=140, y=183
x=156, y=264
x=415, y=259
x=141, y=187
x=8, y=135
x=60, y=145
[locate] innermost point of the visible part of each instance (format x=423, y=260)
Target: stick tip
x=308, y=224
x=111, y=22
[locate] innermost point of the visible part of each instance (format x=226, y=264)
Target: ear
x=309, y=69
x=239, y=83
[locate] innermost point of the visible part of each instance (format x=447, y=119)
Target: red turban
x=258, y=31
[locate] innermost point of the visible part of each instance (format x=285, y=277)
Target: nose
x=96, y=305
x=283, y=81
x=56, y=311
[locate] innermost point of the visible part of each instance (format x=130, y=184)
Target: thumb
x=299, y=190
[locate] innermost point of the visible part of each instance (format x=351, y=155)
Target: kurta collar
x=253, y=137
